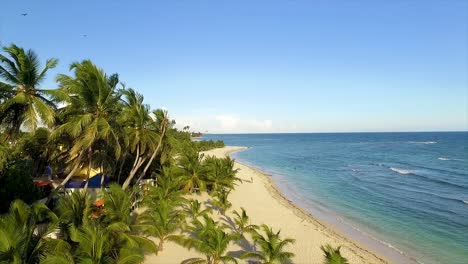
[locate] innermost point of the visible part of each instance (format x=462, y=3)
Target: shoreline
x=278, y=195
x=266, y=204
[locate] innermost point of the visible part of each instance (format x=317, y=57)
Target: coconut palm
x=162, y=124
x=220, y=173
x=117, y=212
x=272, y=247
x=333, y=255
x=194, y=174
x=242, y=222
x=90, y=115
x=137, y=121
x=162, y=221
x=96, y=244
x=195, y=210
x=221, y=201
x=23, y=232
x=167, y=189
x=73, y=210
x=211, y=240
x=23, y=103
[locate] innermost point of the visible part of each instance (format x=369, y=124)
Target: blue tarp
x=94, y=182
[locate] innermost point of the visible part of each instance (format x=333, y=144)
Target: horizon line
x=339, y=132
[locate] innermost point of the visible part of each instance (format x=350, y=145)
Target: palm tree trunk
x=154, y=153
x=102, y=176
x=133, y=172
x=89, y=170
x=72, y=172
x=121, y=168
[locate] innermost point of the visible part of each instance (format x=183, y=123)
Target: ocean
x=404, y=195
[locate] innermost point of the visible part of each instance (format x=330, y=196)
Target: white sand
x=265, y=205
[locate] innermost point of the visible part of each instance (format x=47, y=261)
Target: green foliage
x=23, y=239
x=194, y=210
x=333, y=255
x=193, y=178
x=221, y=201
x=23, y=103
x=220, y=173
x=205, y=145
x=271, y=247
x=162, y=221
x=37, y=149
x=211, y=240
x=16, y=183
x=242, y=222
x=90, y=115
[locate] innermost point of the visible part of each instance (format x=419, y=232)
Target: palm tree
x=193, y=177
x=96, y=244
x=242, y=222
x=137, y=122
x=118, y=212
x=162, y=124
x=221, y=173
x=194, y=209
x=23, y=239
x=23, y=103
x=221, y=201
x=73, y=210
x=211, y=240
x=333, y=255
x=162, y=221
x=91, y=114
x=271, y=247
x=167, y=189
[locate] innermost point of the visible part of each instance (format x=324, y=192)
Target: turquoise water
x=407, y=190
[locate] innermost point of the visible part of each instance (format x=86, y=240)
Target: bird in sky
x=24, y=14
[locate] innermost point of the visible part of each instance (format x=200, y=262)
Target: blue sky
x=267, y=66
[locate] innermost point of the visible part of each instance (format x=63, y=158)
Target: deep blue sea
x=409, y=191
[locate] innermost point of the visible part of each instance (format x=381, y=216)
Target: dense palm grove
x=93, y=121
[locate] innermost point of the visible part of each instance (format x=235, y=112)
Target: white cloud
x=224, y=123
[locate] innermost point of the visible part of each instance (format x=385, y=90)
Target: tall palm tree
x=333, y=255
x=210, y=239
x=23, y=239
x=194, y=173
x=271, y=247
x=90, y=114
x=137, y=121
x=162, y=124
x=23, y=103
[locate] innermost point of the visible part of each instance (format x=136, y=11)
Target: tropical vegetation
x=93, y=122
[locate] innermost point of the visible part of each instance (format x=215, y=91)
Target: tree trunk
x=102, y=176
x=71, y=173
x=133, y=172
x=161, y=244
x=89, y=170
x=154, y=153
x=121, y=168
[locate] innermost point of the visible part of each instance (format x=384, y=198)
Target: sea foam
x=401, y=171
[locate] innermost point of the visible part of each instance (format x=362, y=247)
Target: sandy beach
x=265, y=205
